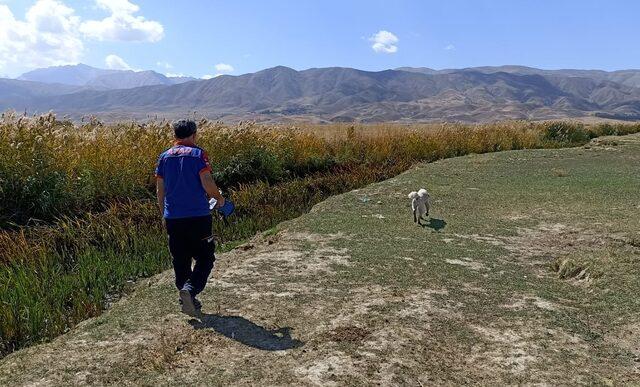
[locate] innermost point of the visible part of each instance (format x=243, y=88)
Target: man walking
x=183, y=185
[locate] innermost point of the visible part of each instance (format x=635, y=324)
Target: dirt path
x=523, y=276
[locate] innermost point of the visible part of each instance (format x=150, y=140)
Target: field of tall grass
x=78, y=219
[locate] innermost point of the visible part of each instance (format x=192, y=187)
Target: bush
x=250, y=166
x=566, y=133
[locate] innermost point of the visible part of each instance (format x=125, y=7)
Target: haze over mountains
x=332, y=94
x=100, y=79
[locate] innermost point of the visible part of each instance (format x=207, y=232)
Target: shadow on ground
x=248, y=333
x=436, y=224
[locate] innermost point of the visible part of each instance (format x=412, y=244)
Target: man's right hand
x=211, y=188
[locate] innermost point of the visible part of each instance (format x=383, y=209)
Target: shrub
x=566, y=133
x=249, y=166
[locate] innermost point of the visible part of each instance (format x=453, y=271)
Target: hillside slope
x=100, y=79
x=626, y=77
x=526, y=273
x=346, y=94
x=20, y=94
x=76, y=75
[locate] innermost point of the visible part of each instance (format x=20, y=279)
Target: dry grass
x=366, y=306
x=78, y=219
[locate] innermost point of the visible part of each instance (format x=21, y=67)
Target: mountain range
x=100, y=79
x=406, y=94
x=625, y=77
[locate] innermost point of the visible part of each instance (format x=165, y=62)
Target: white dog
x=419, y=204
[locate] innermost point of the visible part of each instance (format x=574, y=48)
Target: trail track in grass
x=527, y=273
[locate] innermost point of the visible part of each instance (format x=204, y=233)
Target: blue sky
x=191, y=37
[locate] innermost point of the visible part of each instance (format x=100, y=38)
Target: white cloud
x=122, y=25
x=52, y=34
x=118, y=6
x=47, y=36
x=114, y=62
x=224, y=68
x=164, y=64
x=174, y=75
x=450, y=47
x=384, y=42
x=221, y=69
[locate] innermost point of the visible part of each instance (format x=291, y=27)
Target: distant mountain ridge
x=626, y=77
x=95, y=78
x=347, y=94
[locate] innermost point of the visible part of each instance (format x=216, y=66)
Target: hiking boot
x=188, y=306
x=197, y=304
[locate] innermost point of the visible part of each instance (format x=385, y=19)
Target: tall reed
x=78, y=219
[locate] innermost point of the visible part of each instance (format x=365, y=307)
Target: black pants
x=191, y=238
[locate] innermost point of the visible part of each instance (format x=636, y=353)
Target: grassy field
x=78, y=223
x=526, y=273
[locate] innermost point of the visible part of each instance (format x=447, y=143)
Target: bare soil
x=354, y=293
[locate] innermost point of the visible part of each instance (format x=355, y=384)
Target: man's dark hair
x=184, y=128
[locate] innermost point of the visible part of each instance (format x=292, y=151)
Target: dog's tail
x=413, y=195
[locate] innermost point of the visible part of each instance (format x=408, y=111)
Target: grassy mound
x=355, y=293
x=78, y=223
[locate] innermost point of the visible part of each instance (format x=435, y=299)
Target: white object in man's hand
x=213, y=203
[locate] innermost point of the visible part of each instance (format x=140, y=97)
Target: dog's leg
x=415, y=218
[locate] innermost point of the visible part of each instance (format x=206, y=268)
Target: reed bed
x=78, y=219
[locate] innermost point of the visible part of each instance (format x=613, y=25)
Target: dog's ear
x=413, y=195
x=422, y=192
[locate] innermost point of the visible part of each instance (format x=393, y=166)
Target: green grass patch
x=79, y=222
